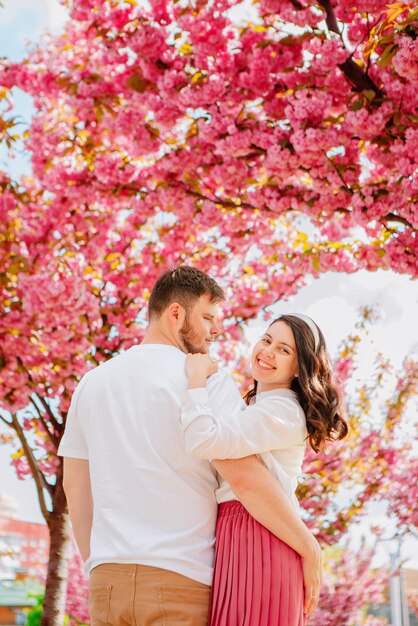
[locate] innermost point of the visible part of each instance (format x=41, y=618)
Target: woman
x=258, y=579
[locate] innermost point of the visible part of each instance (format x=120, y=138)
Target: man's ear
x=176, y=314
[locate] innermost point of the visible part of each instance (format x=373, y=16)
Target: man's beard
x=190, y=338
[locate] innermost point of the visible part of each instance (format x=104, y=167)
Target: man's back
x=153, y=504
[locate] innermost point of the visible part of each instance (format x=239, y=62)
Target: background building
x=23, y=545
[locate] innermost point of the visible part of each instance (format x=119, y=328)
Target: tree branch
x=53, y=438
x=227, y=205
x=10, y=424
x=340, y=176
x=331, y=19
x=297, y=5
x=39, y=478
x=55, y=423
x=358, y=77
x=361, y=80
x=391, y=217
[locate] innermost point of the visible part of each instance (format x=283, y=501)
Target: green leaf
x=315, y=263
x=369, y=94
x=388, y=54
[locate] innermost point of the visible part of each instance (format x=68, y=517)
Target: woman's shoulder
x=281, y=400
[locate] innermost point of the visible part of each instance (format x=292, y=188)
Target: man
x=143, y=511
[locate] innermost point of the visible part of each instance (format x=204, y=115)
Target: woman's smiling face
x=274, y=361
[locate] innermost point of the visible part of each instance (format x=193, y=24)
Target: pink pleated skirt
x=258, y=579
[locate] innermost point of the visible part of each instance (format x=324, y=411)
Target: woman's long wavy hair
x=315, y=387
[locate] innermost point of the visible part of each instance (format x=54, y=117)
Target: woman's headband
x=308, y=322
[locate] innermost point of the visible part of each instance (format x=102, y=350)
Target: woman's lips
x=263, y=365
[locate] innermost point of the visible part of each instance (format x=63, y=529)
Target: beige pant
x=139, y=595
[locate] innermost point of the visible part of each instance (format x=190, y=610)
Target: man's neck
x=159, y=336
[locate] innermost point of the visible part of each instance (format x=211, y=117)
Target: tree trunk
x=59, y=552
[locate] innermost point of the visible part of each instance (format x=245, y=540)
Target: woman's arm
x=263, y=497
x=233, y=432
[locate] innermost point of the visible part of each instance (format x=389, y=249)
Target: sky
x=332, y=300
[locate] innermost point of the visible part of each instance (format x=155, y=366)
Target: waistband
x=232, y=507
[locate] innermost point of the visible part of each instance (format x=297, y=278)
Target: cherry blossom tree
x=266, y=150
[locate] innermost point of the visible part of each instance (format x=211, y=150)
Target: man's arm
x=80, y=502
x=263, y=497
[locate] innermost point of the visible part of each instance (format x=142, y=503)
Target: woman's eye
x=265, y=340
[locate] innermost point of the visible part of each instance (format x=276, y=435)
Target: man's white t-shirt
x=153, y=503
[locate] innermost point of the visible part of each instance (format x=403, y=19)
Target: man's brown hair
x=184, y=285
